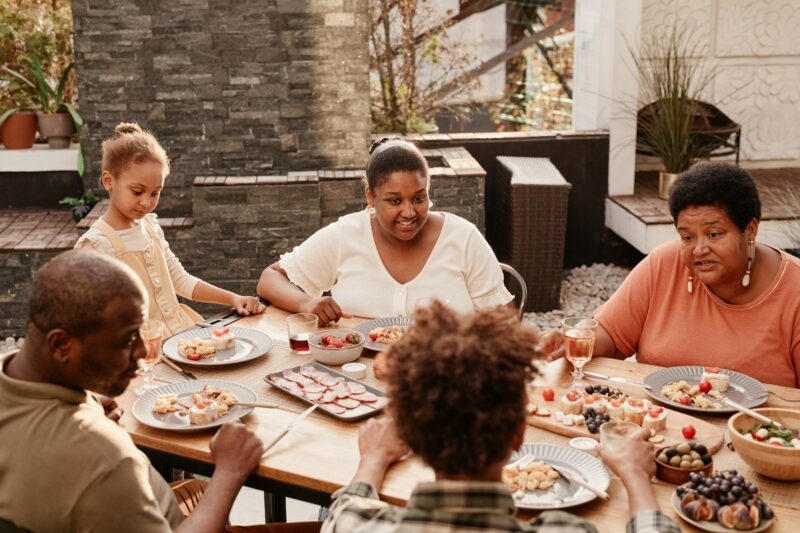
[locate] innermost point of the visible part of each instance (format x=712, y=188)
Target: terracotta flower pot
x=57, y=127
x=19, y=130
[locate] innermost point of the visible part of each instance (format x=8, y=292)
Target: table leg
x=274, y=508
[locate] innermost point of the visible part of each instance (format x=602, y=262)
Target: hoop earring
x=689, y=286
x=370, y=211
x=747, y=269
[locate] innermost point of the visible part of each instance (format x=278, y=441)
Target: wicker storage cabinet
x=529, y=213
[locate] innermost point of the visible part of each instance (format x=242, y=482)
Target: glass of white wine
x=152, y=333
x=579, y=336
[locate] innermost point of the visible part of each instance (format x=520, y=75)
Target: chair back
x=515, y=283
x=10, y=527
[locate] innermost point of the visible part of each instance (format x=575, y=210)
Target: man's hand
x=110, y=407
x=236, y=450
x=248, y=305
x=633, y=459
x=326, y=309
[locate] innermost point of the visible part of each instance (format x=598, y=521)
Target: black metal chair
x=520, y=292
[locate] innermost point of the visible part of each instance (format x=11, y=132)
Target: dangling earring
x=689, y=286
x=746, y=278
x=370, y=211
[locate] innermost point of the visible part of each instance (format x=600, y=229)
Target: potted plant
x=670, y=80
x=17, y=128
x=80, y=206
x=57, y=120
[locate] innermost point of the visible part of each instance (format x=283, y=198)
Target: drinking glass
x=613, y=434
x=300, y=327
x=579, y=336
x=152, y=333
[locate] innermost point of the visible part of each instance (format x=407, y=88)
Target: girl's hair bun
x=377, y=143
x=125, y=128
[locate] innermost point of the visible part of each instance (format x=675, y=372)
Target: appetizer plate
x=742, y=389
x=143, y=406
x=563, y=494
x=362, y=410
x=714, y=526
x=250, y=344
x=366, y=327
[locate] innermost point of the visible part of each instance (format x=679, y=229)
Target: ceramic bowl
x=335, y=356
x=677, y=475
x=768, y=460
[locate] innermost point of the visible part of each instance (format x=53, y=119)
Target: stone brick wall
x=16, y=274
x=230, y=87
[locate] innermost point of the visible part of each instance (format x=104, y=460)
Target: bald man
x=64, y=466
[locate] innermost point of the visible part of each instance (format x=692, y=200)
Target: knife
x=289, y=427
x=176, y=368
x=617, y=379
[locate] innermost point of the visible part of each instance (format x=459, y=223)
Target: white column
x=606, y=85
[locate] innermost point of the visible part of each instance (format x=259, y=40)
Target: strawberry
x=572, y=396
x=373, y=336
x=193, y=356
x=549, y=395
x=655, y=412
x=688, y=432
x=705, y=386
x=685, y=400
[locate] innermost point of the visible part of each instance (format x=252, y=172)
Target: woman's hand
x=551, y=345
x=326, y=309
x=247, y=305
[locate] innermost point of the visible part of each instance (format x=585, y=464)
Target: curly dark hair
x=720, y=185
x=457, y=385
x=393, y=154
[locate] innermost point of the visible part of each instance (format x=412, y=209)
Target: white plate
x=563, y=494
x=715, y=527
x=742, y=389
x=250, y=344
x=143, y=406
x=365, y=327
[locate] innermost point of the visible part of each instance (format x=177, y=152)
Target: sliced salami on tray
x=336, y=394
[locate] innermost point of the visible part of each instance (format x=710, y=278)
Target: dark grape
x=751, y=488
x=725, y=486
x=732, y=499
x=708, y=482
x=604, y=390
x=767, y=513
x=714, y=489
x=737, y=491
x=591, y=427
x=589, y=389
x=706, y=458
x=737, y=480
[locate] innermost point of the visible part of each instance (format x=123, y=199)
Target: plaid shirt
x=450, y=506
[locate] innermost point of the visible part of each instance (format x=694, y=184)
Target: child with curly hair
x=457, y=385
x=134, y=169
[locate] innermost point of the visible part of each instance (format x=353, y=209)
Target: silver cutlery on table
x=581, y=483
x=757, y=416
x=617, y=379
x=289, y=427
x=176, y=368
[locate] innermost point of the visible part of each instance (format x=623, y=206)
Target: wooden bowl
x=676, y=475
x=767, y=460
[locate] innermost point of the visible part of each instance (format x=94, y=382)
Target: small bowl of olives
x=674, y=464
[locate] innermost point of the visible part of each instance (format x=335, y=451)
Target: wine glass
x=579, y=336
x=152, y=333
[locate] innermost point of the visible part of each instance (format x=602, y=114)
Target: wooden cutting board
x=707, y=434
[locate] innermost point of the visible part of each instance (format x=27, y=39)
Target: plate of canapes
x=193, y=405
x=217, y=346
x=534, y=476
x=703, y=389
x=382, y=332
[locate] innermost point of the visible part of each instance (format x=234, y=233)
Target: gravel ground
x=583, y=290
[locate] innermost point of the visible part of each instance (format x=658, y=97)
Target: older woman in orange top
x=714, y=297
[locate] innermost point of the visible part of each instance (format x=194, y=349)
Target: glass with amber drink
x=152, y=333
x=579, y=337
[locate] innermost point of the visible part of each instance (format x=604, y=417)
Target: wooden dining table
x=321, y=454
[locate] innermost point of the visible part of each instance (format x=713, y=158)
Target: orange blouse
x=652, y=314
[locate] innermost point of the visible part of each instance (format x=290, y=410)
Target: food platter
x=143, y=406
x=714, y=526
x=385, y=322
x=374, y=403
x=742, y=389
x=250, y=344
x=706, y=433
x=563, y=494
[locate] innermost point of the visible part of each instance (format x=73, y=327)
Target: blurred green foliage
x=40, y=28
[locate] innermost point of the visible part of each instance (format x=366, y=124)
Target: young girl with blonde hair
x=134, y=168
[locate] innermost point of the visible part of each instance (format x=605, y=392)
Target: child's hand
x=248, y=305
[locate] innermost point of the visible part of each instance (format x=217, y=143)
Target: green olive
x=683, y=448
x=697, y=463
x=675, y=461
x=686, y=464
x=687, y=457
x=663, y=458
x=694, y=455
